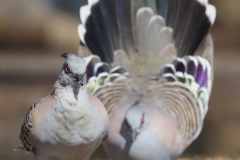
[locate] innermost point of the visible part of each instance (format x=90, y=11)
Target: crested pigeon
x=68, y=124
x=145, y=70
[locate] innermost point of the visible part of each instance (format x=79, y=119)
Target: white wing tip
x=85, y=10
x=211, y=13
x=210, y=10
x=81, y=33
x=84, y=13
x=204, y=2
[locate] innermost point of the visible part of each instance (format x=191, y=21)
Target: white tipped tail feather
x=155, y=89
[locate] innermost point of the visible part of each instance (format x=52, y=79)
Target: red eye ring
x=67, y=69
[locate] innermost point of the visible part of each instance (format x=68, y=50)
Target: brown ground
x=27, y=73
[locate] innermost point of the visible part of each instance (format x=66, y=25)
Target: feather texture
x=69, y=123
x=26, y=128
x=150, y=47
x=126, y=25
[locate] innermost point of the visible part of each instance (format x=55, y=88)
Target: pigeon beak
x=79, y=79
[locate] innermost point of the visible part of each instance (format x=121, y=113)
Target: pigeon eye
x=67, y=69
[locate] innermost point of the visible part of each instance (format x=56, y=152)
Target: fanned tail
x=194, y=75
x=144, y=26
x=145, y=38
x=99, y=73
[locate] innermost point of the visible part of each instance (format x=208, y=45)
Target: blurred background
x=33, y=34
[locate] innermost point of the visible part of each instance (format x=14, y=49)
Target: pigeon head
x=134, y=119
x=73, y=71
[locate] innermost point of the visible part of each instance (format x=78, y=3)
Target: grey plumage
x=134, y=120
x=68, y=124
x=150, y=44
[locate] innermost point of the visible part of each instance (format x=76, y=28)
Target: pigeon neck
x=74, y=88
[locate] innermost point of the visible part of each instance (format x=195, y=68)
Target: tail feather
x=189, y=22
x=137, y=26
x=90, y=62
x=85, y=12
x=121, y=59
x=108, y=11
x=162, y=7
x=164, y=38
x=143, y=16
x=125, y=25
x=208, y=55
x=96, y=36
x=155, y=25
